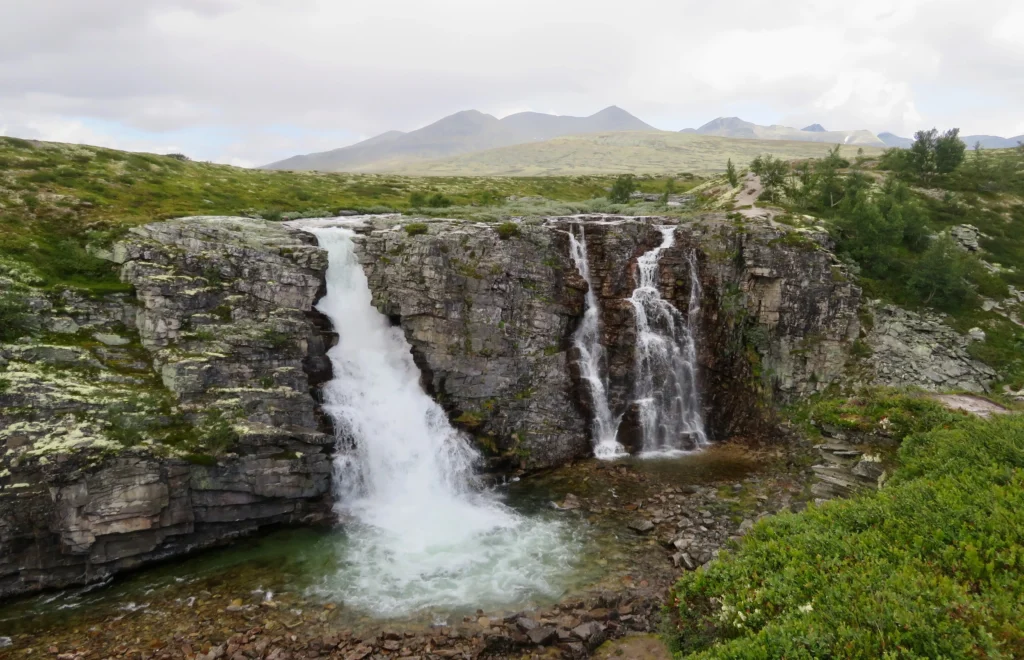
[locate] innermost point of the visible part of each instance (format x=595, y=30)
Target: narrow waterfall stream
x=420, y=531
x=666, y=388
x=587, y=340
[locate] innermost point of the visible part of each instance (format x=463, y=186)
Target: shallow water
x=301, y=567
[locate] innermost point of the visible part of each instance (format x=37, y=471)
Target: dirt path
x=974, y=405
x=746, y=200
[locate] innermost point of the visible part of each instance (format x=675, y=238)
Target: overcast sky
x=252, y=81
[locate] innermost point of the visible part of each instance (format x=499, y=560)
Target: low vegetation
x=927, y=567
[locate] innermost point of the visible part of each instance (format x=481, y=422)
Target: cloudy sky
x=252, y=81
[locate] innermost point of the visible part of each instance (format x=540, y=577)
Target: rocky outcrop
x=919, y=350
x=152, y=425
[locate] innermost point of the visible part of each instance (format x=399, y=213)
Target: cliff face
x=491, y=320
x=151, y=426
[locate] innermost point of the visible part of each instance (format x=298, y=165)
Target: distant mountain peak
x=814, y=128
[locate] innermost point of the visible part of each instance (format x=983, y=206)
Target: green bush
x=927, y=567
x=507, y=230
x=416, y=228
x=417, y=199
x=15, y=320
x=622, y=189
x=438, y=201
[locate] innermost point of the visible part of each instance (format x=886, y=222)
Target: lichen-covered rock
x=153, y=425
x=919, y=350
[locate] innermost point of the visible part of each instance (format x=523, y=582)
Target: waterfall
x=666, y=359
x=420, y=532
x=587, y=340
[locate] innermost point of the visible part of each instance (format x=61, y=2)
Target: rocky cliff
x=141, y=426
x=490, y=320
x=147, y=426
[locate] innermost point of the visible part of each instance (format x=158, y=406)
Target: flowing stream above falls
x=421, y=533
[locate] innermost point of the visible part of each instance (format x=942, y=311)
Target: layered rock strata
x=150, y=426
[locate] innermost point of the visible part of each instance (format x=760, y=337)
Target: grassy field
x=614, y=153
x=55, y=199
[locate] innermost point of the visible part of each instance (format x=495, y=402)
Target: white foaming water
x=420, y=533
x=666, y=360
x=587, y=340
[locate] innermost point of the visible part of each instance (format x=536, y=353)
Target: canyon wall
x=147, y=426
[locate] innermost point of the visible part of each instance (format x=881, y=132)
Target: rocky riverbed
x=644, y=522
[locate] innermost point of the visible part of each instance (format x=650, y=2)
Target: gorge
x=388, y=378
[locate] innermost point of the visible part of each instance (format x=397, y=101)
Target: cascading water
x=420, y=533
x=587, y=340
x=666, y=360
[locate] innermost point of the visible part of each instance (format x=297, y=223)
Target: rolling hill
x=610, y=153
x=461, y=133
x=734, y=127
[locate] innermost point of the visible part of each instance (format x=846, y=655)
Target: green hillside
x=613, y=153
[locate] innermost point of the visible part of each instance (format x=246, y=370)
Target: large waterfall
x=587, y=340
x=666, y=389
x=420, y=532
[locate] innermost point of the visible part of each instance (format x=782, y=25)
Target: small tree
x=949, y=151
x=622, y=189
x=730, y=173
x=670, y=188
x=417, y=199
x=940, y=279
x=922, y=152
x=772, y=172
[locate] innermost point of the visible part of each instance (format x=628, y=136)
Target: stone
x=966, y=236
x=526, y=624
x=641, y=526
x=976, y=334
x=111, y=339
x=542, y=636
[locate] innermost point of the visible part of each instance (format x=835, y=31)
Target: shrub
x=15, y=320
x=416, y=228
x=927, y=567
x=940, y=278
x=622, y=189
x=507, y=230
x=417, y=199
x=438, y=201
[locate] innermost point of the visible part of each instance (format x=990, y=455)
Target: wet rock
x=526, y=624
x=542, y=636
x=641, y=526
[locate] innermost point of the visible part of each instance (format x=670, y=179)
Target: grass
x=927, y=567
x=58, y=199
x=613, y=153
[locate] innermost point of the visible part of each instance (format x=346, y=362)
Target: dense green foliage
x=416, y=228
x=731, y=175
x=927, y=567
x=14, y=317
x=773, y=173
x=507, y=230
x=621, y=190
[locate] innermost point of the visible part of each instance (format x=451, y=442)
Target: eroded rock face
x=108, y=457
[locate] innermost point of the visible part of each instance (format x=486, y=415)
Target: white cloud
x=255, y=80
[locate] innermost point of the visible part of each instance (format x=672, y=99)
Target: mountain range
x=735, y=127
x=466, y=139
x=986, y=141
x=464, y=132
